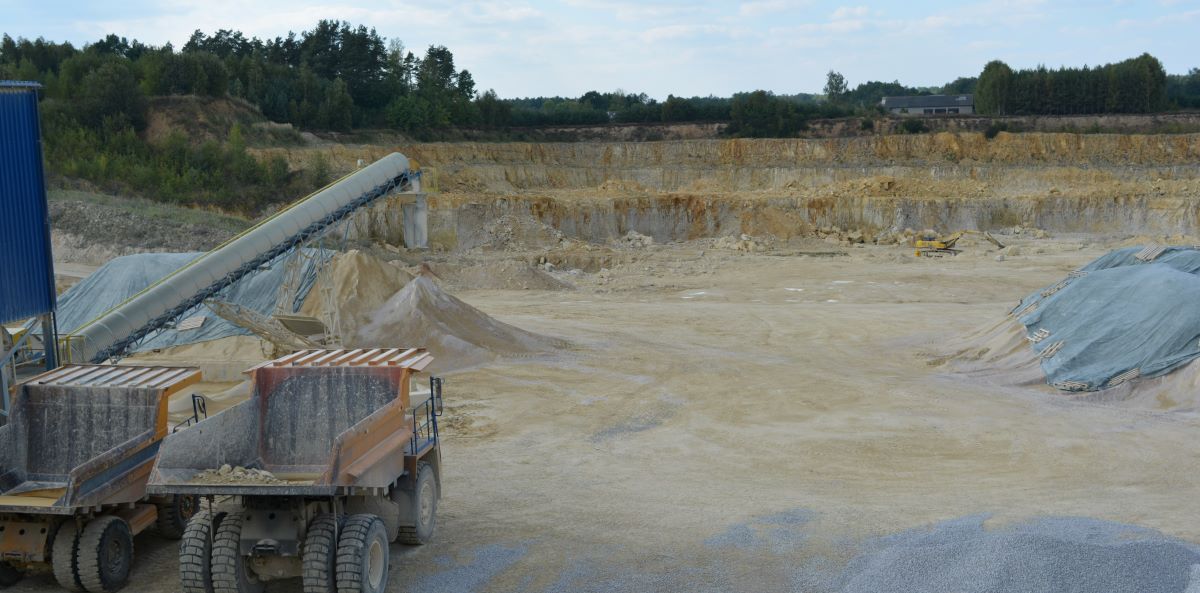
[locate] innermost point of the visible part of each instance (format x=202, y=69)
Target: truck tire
x=319, y=555
x=421, y=520
x=174, y=514
x=62, y=556
x=195, y=553
x=362, y=556
x=105, y=554
x=392, y=513
x=231, y=572
x=10, y=575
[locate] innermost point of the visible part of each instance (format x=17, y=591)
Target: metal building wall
x=26, y=266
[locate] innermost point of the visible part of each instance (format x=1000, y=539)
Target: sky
x=526, y=48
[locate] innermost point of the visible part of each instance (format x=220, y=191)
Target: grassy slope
x=139, y=223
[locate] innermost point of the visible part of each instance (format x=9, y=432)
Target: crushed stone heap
x=227, y=474
x=1115, y=324
x=457, y=334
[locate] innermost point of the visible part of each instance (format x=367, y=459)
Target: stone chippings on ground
x=964, y=555
x=1045, y=554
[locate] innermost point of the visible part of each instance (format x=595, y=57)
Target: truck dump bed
x=322, y=422
x=85, y=436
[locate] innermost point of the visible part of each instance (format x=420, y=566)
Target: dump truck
x=74, y=460
x=312, y=477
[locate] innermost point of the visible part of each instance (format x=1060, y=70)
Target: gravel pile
x=227, y=474
x=1051, y=555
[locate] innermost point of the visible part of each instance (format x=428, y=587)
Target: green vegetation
x=1137, y=85
x=761, y=114
x=836, y=88
x=994, y=129
x=1183, y=90
x=99, y=103
x=94, y=113
x=155, y=210
x=914, y=125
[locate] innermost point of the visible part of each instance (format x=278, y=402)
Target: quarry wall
x=675, y=190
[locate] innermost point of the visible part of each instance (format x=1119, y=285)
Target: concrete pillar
x=416, y=223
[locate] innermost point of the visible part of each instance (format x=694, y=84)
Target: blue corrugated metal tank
x=26, y=267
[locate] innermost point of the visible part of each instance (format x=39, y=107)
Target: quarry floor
x=734, y=421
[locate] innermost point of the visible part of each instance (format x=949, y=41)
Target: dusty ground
x=732, y=421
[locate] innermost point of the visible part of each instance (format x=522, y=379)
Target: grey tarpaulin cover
x=123, y=277
x=1130, y=313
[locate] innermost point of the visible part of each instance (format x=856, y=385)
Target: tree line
x=339, y=78
x=1136, y=85
x=334, y=77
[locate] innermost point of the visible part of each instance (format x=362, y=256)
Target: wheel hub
x=113, y=556
x=375, y=565
x=426, y=508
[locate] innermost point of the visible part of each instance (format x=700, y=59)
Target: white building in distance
x=930, y=105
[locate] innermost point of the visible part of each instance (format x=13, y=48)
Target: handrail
x=425, y=432
x=199, y=408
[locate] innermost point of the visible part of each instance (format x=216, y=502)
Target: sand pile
x=502, y=275
x=458, y=335
x=1000, y=354
x=997, y=354
x=1043, y=555
x=361, y=284
x=1116, y=331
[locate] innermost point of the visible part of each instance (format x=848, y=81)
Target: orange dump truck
x=74, y=459
x=312, y=477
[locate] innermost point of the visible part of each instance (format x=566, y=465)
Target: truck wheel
x=105, y=554
x=174, y=513
x=195, y=553
x=319, y=555
x=9, y=575
x=392, y=513
x=362, y=556
x=62, y=556
x=421, y=521
x=231, y=572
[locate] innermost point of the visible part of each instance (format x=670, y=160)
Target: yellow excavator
x=933, y=246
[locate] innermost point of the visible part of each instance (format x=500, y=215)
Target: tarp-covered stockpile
x=1132, y=313
x=121, y=278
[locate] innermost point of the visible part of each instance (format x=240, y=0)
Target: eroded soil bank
x=680, y=190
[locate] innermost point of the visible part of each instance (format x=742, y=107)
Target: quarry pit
x=716, y=365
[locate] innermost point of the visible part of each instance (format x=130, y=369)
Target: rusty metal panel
x=312, y=413
x=27, y=269
x=131, y=377
x=24, y=540
x=408, y=358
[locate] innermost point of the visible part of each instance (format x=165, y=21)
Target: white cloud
x=636, y=11
x=672, y=32
x=1160, y=21
x=849, y=12
x=757, y=8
